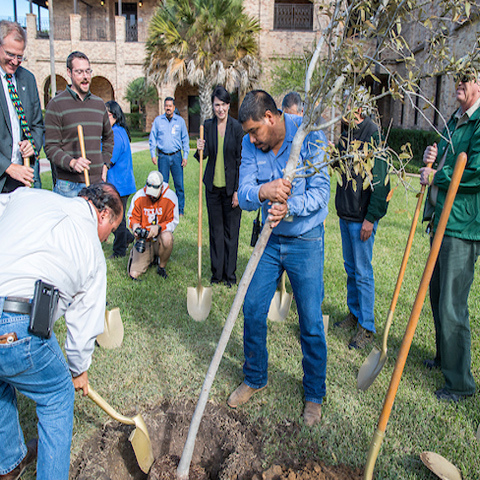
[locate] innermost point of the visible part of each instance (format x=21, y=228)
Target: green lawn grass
x=165, y=354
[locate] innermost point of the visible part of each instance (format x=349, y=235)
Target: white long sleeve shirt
x=49, y=237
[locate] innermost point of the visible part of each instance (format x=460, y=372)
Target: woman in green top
x=223, y=148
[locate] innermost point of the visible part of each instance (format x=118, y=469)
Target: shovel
x=112, y=335
x=199, y=299
x=142, y=446
x=374, y=363
x=81, y=139
x=281, y=301
x=440, y=466
x=379, y=434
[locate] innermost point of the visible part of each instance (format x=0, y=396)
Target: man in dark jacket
x=21, y=140
x=359, y=211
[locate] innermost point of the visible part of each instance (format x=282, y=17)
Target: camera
x=142, y=234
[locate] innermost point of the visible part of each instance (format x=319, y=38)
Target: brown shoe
x=312, y=415
x=241, y=395
x=361, y=339
x=16, y=473
x=349, y=322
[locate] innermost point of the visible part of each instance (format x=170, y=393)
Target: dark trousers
x=224, y=226
x=122, y=234
x=449, y=290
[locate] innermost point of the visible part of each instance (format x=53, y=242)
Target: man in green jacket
x=454, y=271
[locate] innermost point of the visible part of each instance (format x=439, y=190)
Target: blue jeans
x=36, y=368
x=68, y=189
x=357, y=257
x=302, y=258
x=173, y=163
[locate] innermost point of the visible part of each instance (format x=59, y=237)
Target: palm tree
x=204, y=42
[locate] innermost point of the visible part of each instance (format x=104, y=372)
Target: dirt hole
x=227, y=447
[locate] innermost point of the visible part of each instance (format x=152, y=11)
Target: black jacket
x=359, y=204
x=232, y=153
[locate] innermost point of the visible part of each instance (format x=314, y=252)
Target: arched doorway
x=47, y=93
x=102, y=88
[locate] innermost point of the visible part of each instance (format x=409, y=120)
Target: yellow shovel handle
x=93, y=395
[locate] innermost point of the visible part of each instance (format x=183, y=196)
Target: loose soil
x=227, y=447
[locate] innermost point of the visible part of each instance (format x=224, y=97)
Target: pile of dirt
x=227, y=447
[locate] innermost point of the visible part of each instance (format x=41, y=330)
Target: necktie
x=20, y=112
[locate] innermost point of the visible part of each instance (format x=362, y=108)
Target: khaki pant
x=140, y=262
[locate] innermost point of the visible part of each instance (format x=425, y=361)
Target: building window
x=293, y=15
x=129, y=11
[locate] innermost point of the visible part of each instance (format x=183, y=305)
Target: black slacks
x=224, y=227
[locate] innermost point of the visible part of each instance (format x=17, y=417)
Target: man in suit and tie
x=21, y=122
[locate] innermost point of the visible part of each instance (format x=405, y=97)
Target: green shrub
x=135, y=121
x=418, y=139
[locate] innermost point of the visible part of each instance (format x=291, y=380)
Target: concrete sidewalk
x=136, y=147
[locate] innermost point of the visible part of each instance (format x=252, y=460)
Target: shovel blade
x=280, y=306
x=112, y=336
x=370, y=369
x=440, y=466
x=142, y=446
x=199, y=302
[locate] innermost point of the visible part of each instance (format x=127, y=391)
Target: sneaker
x=16, y=473
x=162, y=272
x=312, y=414
x=361, y=339
x=444, y=395
x=349, y=322
x=242, y=395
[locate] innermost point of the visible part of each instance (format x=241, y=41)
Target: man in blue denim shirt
x=168, y=139
x=297, y=212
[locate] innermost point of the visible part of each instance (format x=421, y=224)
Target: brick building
x=115, y=45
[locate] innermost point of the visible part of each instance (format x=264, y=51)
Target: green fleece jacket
x=464, y=220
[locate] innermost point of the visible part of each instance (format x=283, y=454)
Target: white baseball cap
x=154, y=184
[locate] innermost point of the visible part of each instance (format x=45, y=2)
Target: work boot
x=16, y=473
x=361, y=339
x=241, y=395
x=349, y=322
x=312, y=414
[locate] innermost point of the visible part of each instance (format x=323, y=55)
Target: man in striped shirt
x=70, y=108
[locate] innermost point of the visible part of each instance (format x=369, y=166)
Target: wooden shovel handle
x=200, y=198
x=81, y=139
x=93, y=395
x=413, y=320
x=403, y=266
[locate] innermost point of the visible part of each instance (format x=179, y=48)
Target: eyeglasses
x=87, y=72
x=12, y=56
x=151, y=185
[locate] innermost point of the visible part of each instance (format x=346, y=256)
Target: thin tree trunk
x=204, y=94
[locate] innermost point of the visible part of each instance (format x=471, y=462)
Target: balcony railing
x=61, y=25
x=94, y=29
x=292, y=16
x=131, y=32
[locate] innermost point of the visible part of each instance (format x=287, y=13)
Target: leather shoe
x=447, y=396
x=242, y=395
x=312, y=415
x=16, y=473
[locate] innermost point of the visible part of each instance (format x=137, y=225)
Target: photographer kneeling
x=153, y=216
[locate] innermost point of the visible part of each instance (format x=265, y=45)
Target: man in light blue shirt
x=297, y=212
x=168, y=138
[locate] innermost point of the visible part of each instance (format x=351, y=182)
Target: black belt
x=17, y=305
x=168, y=154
